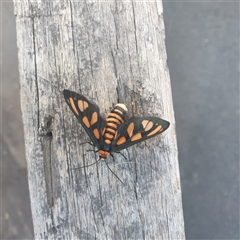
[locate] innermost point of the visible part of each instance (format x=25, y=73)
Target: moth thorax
x=103, y=154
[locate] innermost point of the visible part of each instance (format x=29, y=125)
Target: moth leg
x=89, y=150
x=114, y=173
x=86, y=143
x=122, y=155
x=112, y=157
x=86, y=165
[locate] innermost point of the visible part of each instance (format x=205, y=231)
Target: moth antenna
x=87, y=165
x=114, y=173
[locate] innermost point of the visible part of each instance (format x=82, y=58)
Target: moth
x=114, y=133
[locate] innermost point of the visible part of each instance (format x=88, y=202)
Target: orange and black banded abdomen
x=114, y=119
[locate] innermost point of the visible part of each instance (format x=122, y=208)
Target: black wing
x=138, y=129
x=87, y=114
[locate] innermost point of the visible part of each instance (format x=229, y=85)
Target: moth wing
x=87, y=113
x=138, y=129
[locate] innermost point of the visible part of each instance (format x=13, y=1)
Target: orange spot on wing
x=121, y=141
x=96, y=133
x=147, y=125
x=73, y=105
x=130, y=129
x=94, y=118
x=136, y=137
x=103, y=131
x=157, y=129
x=85, y=105
x=82, y=105
x=86, y=122
x=144, y=123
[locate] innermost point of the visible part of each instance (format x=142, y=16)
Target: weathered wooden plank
x=110, y=52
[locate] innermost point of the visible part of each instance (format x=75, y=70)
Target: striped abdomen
x=114, y=119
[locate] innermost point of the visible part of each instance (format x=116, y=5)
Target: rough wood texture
x=110, y=52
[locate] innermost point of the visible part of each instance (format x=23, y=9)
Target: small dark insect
x=112, y=134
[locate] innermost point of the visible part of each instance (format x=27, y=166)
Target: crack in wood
x=45, y=134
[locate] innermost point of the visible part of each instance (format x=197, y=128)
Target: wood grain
x=110, y=52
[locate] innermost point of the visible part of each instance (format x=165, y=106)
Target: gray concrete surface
x=16, y=220
x=202, y=41
x=203, y=56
